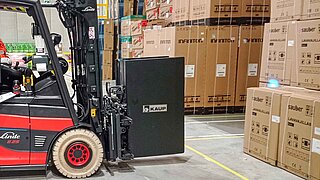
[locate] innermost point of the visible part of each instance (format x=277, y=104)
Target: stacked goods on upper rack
x=132, y=36
x=108, y=52
x=290, y=51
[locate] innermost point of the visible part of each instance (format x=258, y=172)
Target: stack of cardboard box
x=180, y=10
x=118, y=9
x=282, y=128
x=249, y=61
x=107, y=62
x=290, y=51
x=165, y=10
x=282, y=125
x=211, y=56
x=132, y=36
x=221, y=12
x=152, y=9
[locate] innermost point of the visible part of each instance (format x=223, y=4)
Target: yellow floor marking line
x=213, y=138
x=217, y=163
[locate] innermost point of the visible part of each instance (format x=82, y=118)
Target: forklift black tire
x=77, y=153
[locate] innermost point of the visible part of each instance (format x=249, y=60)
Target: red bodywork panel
x=12, y=154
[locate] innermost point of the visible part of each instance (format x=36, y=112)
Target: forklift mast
x=80, y=19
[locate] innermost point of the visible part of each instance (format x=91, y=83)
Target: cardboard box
x=311, y=9
x=286, y=10
x=127, y=8
x=108, y=42
x=166, y=2
x=137, y=27
x=180, y=10
x=188, y=42
x=221, y=63
x=137, y=42
x=107, y=58
x=137, y=53
x=279, y=50
x=256, y=8
x=126, y=24
x=299, y=140
x=203, y=9
x=249, y=60
x=165, y=12
x=151, y=4
x=308, y=55
x=126, y=47
x=152, y=14
x=151, y=42
x=109, y=26
x=107, y=72
x=262, y=122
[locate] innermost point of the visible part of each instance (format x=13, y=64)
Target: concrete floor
x=213, y=151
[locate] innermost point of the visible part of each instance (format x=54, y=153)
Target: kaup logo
x=10, y=136
x=155, y=108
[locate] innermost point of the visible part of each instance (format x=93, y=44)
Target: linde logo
x=295, y=108
x=308, y=29
x=257, y=99
x=88, y=9
x=222, y=40
x=190, y=41
x=10, y=136
x=155, y=108
x=274, y=30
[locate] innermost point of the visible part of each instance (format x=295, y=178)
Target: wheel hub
x=78, y=154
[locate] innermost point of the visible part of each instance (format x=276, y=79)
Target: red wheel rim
x=78, y=154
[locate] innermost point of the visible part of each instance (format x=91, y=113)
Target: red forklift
x=42, y=124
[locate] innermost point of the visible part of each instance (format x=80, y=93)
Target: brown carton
x=108, y=41
x=137, y=42
x=107, y=57
x=180, y=10
x=279, y=50
x=286, y=10
x=249, y=59
x=151, y=43
x=127, y=23
x=166, y=2
x=203, y=9
x=137, y=27
x=126, y=47
x=137, y=53
x=308, y=55
x=152, y=14
x=311, y=9
x=256, y=8
x=107, y=72
x=151, y=4
x=109, y=26
x=188, y=42
x=299, y=140
x=262, y=121
x=165, y=12
x=221, y=62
